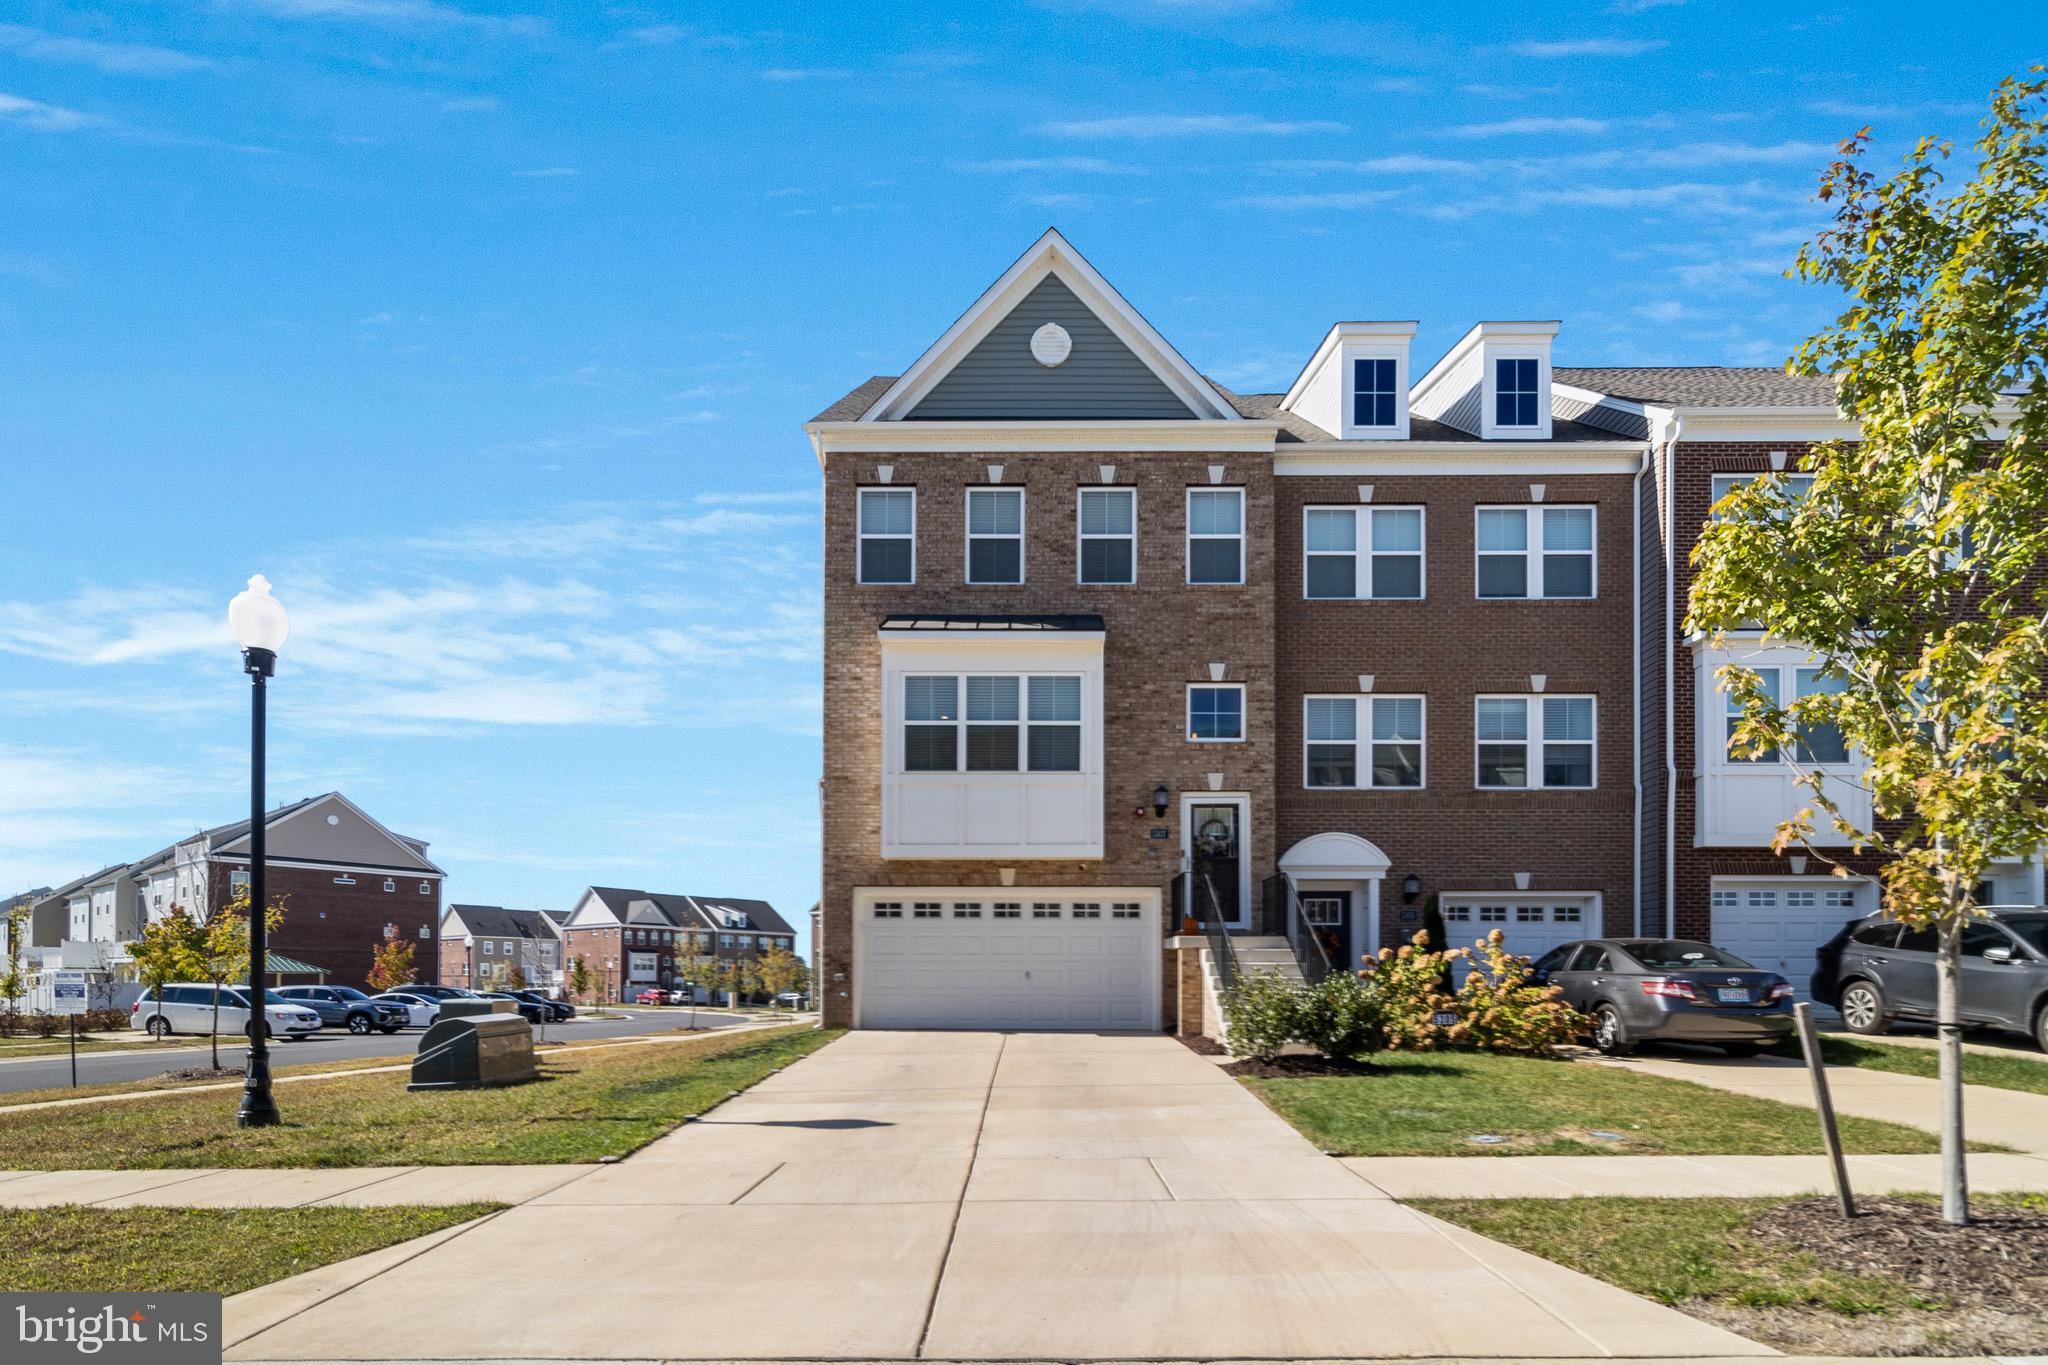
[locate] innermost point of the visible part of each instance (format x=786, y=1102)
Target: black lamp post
x=260, y=628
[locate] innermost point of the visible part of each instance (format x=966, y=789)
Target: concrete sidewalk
x=969, y=1197
x=2011, y=1118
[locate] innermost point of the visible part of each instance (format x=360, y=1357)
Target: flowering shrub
x=1408, y=984
x=1263, y=1011
x=1498, y=1009
x=1501, y=1010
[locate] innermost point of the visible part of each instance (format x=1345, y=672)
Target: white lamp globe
x=257, y=618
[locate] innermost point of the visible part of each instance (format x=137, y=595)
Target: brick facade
x=339, y=927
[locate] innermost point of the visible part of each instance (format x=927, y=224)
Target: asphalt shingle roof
x=495, y=921
x=690, y=912
x=1703, y=386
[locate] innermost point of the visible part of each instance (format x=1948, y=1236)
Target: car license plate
x=1732, y=995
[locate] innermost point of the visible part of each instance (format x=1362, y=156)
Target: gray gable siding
x=999, y=380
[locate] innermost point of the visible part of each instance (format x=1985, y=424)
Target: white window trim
x=862, y=536
x=1347, y=378
x=1493, y=352
x=1188, y=515
x=1363, y=551
x=1361, y=747
x=1734, y=478
x=1533, y=759
x=1023, y=525
x=1188, y=712
x=1532, y=551
x=1022, y=725
x=1081, y=537
x=1787, y=673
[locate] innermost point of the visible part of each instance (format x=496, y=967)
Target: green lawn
x=1433, y=1104
x=591, y=1103
x=72, y=1249
x=2018, y=1072
x=1675, y=1251
x=23, y=1046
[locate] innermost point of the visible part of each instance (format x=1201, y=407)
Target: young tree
x=515, y=977
x=14, y=976
x=1912, y=567
x=778, y=970
x=391, y=964
x=167, y=951
x=580, y=978
x=222, y=952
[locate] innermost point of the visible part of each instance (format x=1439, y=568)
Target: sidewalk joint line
x=931, y=1305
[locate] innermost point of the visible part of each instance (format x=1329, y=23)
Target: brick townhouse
x=479, y=940
x=631, y=940
x=344, y=879
x=1094, y=624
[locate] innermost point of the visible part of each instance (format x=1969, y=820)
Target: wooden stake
x=1830, y=1134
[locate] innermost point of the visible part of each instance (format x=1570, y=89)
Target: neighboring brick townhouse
x=1400, y=632
x=631, y=940
x=344, y=879
x=479, y=940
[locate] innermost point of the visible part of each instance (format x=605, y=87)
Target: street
x=330, y=1045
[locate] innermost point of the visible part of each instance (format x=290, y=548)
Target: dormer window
x=1515, y=392
x=1375, y=393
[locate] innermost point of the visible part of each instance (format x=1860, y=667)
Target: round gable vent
x=1050, y=345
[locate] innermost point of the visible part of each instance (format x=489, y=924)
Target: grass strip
x=2004, y=1073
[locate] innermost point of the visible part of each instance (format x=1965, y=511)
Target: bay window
x=1535, y=742
x=1010, y=723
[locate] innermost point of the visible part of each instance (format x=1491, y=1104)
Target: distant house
x=634, y=939
x=344, y=878
x=476, y=939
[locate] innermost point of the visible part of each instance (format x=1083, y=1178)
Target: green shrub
x=104, y=1021
x=1263, y=1011
x=1340, y=1017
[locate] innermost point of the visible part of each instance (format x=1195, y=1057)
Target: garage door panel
x=1041, y=963
x=1776, y=924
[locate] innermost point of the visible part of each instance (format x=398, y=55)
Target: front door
x=1329, y=918
x=1215, y=833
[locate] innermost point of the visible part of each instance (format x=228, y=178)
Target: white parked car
x=189, y=1009
x=420, y=1010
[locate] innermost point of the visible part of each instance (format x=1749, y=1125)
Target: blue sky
x=485, y=330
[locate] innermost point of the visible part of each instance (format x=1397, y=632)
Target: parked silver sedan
x=1640, y=990
x=420, y=1011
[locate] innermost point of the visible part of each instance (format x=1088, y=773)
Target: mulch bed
x=1287, y=1067
x=1990, y=1278
x=1196, y=1042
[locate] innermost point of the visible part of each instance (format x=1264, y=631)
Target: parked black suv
x=557, y=1009
x=1882, y=971
x=346, y=1006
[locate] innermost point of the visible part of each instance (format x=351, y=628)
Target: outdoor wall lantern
x=1160, y=796
x=1411, y=887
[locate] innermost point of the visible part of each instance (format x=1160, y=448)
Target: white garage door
x=1033, y=960
x=1776, y=924
x=1530, y=927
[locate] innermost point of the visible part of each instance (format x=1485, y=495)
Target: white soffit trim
x=1462, y=457
x=1766, y=424
x=988, y=437
x=1051, y=254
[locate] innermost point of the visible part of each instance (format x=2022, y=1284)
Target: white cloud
x=1188, y=125
x=393, y=14
x=1527, y=127
x=1343, y=199
x=1509, y=92
x=547, y=173
x=469, y=104
x=1640, y=6
x=118, y=59
x=1078, y=165
x=801, y=73
x=1667, y=310
x=1586, y=47
x=47, y=118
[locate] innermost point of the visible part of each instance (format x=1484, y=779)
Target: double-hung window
x=1534, y=551
x=1108, y=535
x=1362, y=552
x=1215, y=535
x=1816, y=742
x=1215, y=713
x=1768, y=681
x=1515, y=395
x=995, y=535
x=1394, y=736
x=1375, y=398
x=1009, y=723
x=1798, y=485
x=1530, y=742
x=888, y=535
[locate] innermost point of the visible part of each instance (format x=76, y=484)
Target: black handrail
x=1209, y=916
x=1308, y=948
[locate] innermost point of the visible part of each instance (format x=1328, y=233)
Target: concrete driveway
x=965, y=1197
